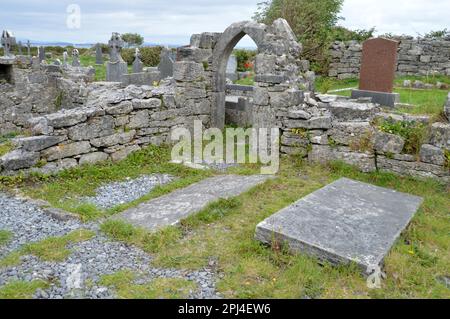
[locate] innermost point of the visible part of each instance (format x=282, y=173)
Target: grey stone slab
x=385, y=99
x=346, y=221
x=170, y=209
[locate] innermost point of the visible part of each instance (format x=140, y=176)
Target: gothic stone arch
x=278, y=69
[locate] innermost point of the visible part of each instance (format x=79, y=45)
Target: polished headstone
x=344, y=222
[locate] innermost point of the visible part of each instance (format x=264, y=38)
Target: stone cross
x=137, y=64
x=20, y=47
x=98, y=54
x=28, y=48
x=8, y=40
x=76, y=58
x=116, y=44
x=41, y=53
x=378, y=67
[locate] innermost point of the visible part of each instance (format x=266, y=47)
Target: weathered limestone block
x=292, y=97
x=432, y=154
x=55, y=167
x=323, y=154
x=440, y=135
x=96, y=127
x=123, y=153
x=347, y=111
x=388, y=143
x=67, y=150
x=301, y=151
x=347, y=133
x=299, y=115
x=139, y=120
x=19, y=159
x=188, y=71
x=122, y=120
x=414, y=168
x=115, y=139
x=191, y=90
x=93, y=158
x=146, y=104
x=37, y=143
x=260, y=96
x=71, y=117
x=320, y=122
x=194, y=54
x=291, y=139
x=265, y=64
x=124, y=107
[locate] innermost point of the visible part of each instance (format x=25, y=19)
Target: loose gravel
x=114, y=194
x=78, y=276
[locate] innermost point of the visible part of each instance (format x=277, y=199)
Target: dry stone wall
x=40, y=90
x=113, y=123
x=335, y=128
x=416, y=57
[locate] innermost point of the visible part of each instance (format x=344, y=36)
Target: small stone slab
x=346, y=221
x=170, y=209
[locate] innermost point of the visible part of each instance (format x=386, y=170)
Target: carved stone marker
x=41, y=53
x=19, y=46
x=232, y=68
x=8, y=40
x=76, y=58
x=167, y=59
x=65, y=57
x=98, y=54
x=138, y=66
x=344, y=222
x=378, y=67
x=29, y=48
x=116, y=67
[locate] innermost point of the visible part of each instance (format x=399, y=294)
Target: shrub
x=150, y=56
x=414, y=133
x=244, y=59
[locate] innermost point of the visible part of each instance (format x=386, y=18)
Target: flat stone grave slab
x=171, y=208
x=346, y=221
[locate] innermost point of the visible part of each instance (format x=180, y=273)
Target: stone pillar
x=98, y=54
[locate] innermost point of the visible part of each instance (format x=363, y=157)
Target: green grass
x=423, y=102
x=65, y=190
x=49, y=249
x=5, y=237
x=160, y=288
x=224, y=231
x=246, y=81
x=21, y=289
x=5, y=148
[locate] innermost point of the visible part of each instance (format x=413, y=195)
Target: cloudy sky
x=172, y=22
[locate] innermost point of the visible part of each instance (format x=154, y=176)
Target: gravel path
x=114, y=194
x=78, y=275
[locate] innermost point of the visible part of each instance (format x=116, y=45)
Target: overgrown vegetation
x=160, y=288
x=312, y=21
x=49, y=249
x=414, y=133
x=245, y=59
x=5, y=237
x=21, y=289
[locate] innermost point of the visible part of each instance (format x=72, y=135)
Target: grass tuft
x=21, y=289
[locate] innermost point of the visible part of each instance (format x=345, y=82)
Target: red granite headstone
x=378, y=65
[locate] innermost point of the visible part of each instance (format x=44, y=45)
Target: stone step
x=171, y=208
x=346, y=221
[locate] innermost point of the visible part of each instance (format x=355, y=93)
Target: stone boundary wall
x=336, y=128
x=113, y=123
x=416, y=57
x=40, y=90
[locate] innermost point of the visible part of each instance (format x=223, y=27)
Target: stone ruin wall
x=38, y=91
x=336, y=128
x=113, y=121
x=416, y=57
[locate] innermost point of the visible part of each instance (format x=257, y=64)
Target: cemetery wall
x=38, y=91
x=336, y=128
x=113, y=123
x=416, y=57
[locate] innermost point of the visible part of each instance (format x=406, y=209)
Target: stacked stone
x=41, y=90
x=335, y=128
x=416, y=57
x=346, y=59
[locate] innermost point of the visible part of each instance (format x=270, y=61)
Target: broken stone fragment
x=388, y=143
x=67, y=150
x=19, y=159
